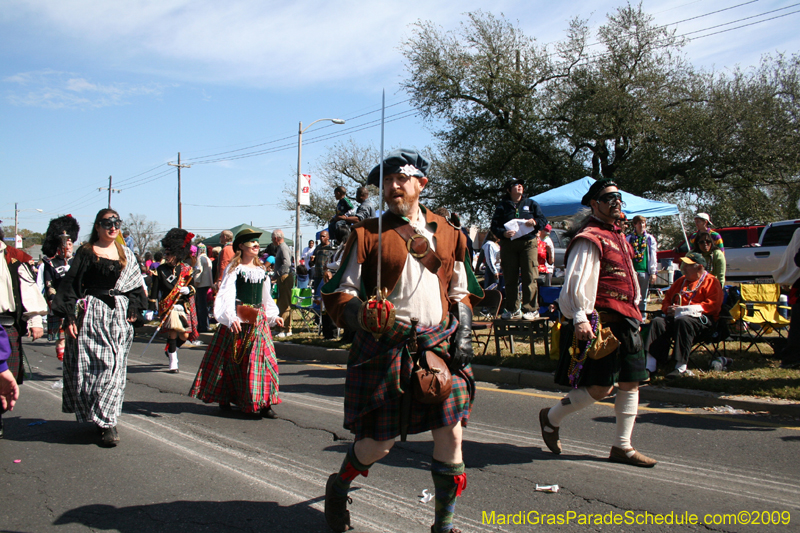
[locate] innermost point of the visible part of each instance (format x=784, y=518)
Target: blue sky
x=92, y=88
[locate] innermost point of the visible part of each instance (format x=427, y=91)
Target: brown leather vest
x=616, y=288
x=451, y=246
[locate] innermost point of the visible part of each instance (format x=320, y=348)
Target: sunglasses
x=609, y=197
x=110, y=223
x=704, y=242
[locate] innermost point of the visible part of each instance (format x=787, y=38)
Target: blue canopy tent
x=565, y=201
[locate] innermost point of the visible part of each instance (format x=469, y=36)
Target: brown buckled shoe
x=550, y=438
x=618, y=455
x=336, y=513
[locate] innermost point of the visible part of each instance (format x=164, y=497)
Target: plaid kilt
x=16, y=359
x=95, y=364
x=378, y=371
x=191, y=312
x=252, y=383
x=55, y=327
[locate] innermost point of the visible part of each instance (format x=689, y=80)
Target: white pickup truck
x=758, y=262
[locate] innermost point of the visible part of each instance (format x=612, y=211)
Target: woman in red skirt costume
x=239, y=365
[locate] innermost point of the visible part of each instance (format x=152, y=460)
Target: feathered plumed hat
x=59, y=230
x=177, y=242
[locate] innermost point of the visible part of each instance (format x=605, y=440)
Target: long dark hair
x=94, y=237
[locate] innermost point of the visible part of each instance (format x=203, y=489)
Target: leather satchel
x=431, y=380
x=247, y=314
x=603, y=344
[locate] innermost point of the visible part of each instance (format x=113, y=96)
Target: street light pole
x=300, y=131
x=16, y=220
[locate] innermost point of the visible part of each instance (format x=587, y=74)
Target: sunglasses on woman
x=110, y=223
x=704, y=242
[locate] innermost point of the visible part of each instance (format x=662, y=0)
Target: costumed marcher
x=600, y=288
x=101, y=295
x=239, y=365
x=698, y=294
x=431, y=289
x=21, y=309
x=62, y=233
x=645, y=261
x=518, y=249
x=173, y=288
x=546, y=256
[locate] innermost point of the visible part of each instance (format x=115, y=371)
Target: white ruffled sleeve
x=270, y=309
x=578, y=294
x=225, y=302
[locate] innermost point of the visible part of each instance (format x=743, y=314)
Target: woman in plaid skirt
x=99, y=297
x=239, y=365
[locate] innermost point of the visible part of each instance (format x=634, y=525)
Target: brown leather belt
x=608, y=317
x=419, y=247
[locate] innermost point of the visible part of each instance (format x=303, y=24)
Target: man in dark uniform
x=432, y=289
x=62, y=232
x=600, y=283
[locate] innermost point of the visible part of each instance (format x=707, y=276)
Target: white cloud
x=316, y=42
x=57, y=90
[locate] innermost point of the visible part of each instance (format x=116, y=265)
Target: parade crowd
x=402, y=288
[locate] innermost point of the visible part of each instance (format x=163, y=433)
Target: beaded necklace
x=639, y=247
x=689, y=294
x=578, y=357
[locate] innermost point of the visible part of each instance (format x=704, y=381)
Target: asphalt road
x=186, y=466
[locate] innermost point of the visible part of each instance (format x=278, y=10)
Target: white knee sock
x=173, y=360
x=576, y=400
x=625, y=406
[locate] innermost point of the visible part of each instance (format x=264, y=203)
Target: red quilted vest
x=616, y=288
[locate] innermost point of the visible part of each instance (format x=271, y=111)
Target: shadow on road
x=708, y=423
x=193, y=516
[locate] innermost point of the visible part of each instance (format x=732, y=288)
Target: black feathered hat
x=177, y=242
x=59, y=230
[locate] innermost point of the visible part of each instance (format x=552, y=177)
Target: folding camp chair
x=303, y=302
x=759, y=309
x=547, y=297
x=492, y=301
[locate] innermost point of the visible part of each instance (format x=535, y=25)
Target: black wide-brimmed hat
x=177, y=242
x=59, y=230
x=246, y=235
x=401, y=161
x=595, y=190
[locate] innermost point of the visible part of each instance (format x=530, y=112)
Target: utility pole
x=110, y=190
x=180, y=217
x=16, y=223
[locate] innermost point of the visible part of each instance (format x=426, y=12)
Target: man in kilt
x=432, y=289
x=600, y=283
x=21, y=310
x=62, y=232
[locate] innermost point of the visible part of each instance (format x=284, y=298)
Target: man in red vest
x=600, y=284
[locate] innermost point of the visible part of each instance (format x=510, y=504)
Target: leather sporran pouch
x=247, y=314
x=431, y=380
x=604, y=343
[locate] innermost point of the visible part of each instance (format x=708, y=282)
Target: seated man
x=696, y=288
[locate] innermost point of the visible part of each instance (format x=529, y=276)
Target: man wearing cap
x=691, y=305
x=425, y=276
x=519, y=253
x=600, y=283
x=702, y=222
x=284, y=280
x=645, y=260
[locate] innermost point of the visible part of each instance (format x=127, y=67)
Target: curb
x=544, y=380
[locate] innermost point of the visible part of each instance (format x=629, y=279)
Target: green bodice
x=247, y=291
